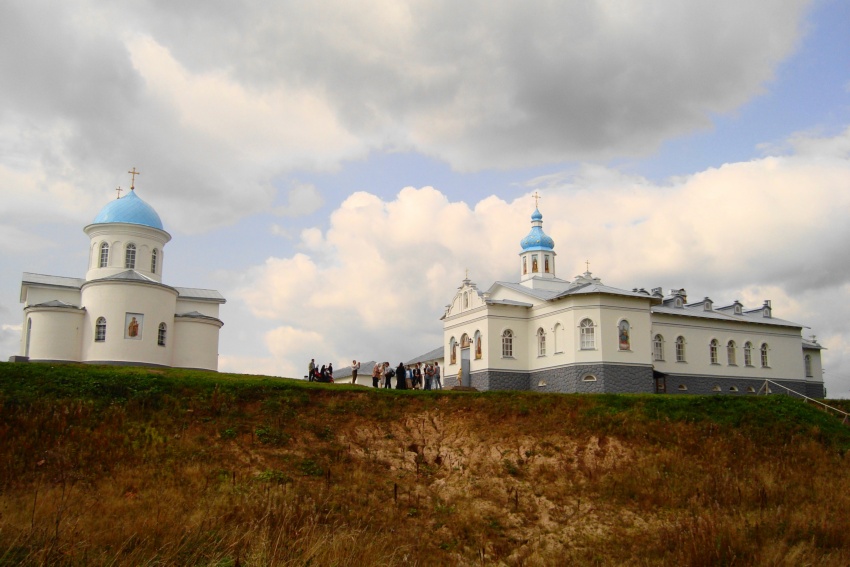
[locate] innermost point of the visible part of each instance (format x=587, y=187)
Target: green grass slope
x=136, y=466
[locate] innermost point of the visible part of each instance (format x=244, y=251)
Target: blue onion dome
x=129, y=209
x=537, y=239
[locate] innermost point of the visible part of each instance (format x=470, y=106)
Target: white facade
x=121, y=313
x=555, y=335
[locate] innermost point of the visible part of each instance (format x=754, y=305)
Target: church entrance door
x=464, y=364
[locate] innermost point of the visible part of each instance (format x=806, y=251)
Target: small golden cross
x=134, y=173
x=587, y=263
x=467, y=273
x=118, y=190
x=537, y=197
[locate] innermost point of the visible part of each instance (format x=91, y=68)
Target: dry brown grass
x=316, y=476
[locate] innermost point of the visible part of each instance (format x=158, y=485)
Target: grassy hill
x=134, y=466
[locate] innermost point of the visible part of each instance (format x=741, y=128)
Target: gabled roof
x=812, y=344
x=200, y=294
x=44, y=280
x=508, y=302
x=543, y=294
x=365, y=370
x=601, y=288
x=435, y=354
x=196, y=315
x=746, y=317
x=57, y=303
x=129, y=275
x=581, y=289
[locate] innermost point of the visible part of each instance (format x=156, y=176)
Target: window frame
x=587, y=334
x=103, y=262
x=154, y=259
x=807, y=366
x=765, y=360
x=680, y=349
x=658, y=347
x=507, y=343
x=541, y=342
x=130, y=256
x=748, y=354
x=713, y=347
x=100, y=330
x=731, y=354
x=161, y=334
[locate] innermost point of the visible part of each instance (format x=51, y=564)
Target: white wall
x=56, y=333
x=112, y=300
x=118, y=235
x=195, y=343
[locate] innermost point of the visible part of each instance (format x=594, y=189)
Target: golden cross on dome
x=467, y=273
x=134, y=173
x=118, y=190
x=537, y=197
x=587, y=263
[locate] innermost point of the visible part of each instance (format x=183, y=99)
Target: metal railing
x=765, y=388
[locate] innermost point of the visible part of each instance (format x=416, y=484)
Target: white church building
x=121, y=312
x=547, y=334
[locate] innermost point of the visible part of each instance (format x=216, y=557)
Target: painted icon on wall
x=625, y=343
x=133, y=323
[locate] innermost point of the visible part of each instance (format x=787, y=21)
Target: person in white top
x=355, y=366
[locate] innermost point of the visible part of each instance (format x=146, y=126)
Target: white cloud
x=766, y=229
x=302, y=199
x=216, y=104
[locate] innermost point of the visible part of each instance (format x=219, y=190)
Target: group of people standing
x=323, y=374
x=410, y=377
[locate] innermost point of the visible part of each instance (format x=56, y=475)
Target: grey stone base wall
x=815, y=390
x=499, y=380
x=609, y=378
x=708, y=385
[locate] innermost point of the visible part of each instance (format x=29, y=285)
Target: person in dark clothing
x=399, y=377
x=330, y=372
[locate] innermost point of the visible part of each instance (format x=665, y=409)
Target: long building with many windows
x=548, y=334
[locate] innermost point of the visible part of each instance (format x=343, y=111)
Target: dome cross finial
x=133, y=174
x=118, y=190
x=537, y=197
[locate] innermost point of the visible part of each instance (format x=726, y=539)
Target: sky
x=334, y=168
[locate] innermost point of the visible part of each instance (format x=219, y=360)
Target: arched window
x=100, y=330
x=658, y=348
x=104, y=255
x=764, y=361
x=477, y=345
x=730, y=354
x=808, y=363
x=508, y=344
x=712, y=351
x=130, y=257
x=465, y=300
x=589, y=378
x=534, y=267
x=464, y=341
x=160, y=336
x=558, y=338
x=748, y=353
x=541, y=342
x=546, y=263
x=524, y=265
x=587, y=334
x=624, y=332
x=453, y=350
x=680, y=349
x=153, y=260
